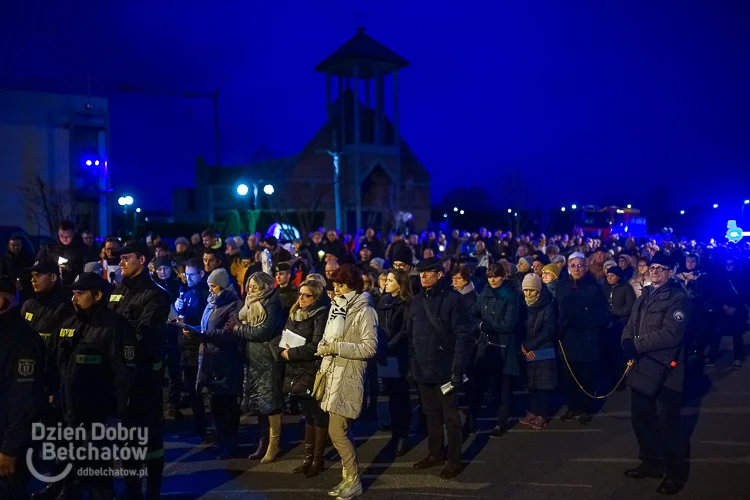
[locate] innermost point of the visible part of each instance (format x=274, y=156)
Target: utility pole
x=336, y=187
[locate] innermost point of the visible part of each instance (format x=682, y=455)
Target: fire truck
x=626, y=221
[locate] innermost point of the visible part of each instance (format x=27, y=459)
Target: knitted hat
x=551, y=268
x=182, y=241
x=403, y=253
x=532, y=282
x=529, y=260
x=616, y=271
x=609, y=263
x=219, y=277
x=231, y=243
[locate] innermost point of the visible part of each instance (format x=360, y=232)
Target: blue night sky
x=587, y=98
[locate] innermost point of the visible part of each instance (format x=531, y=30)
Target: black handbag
x=648, y=375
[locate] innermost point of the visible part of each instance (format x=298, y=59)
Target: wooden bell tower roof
x=364, y=52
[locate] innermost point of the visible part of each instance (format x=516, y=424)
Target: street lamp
x=138, y=210
x=461, y=212
x=562, y=209
x=510, y=211
x=268, y=189
x=242, y=189
x=682, y=212
x=716, y=205
x=574, y=206
x=455, y=209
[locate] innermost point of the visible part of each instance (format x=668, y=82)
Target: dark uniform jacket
x=14, y=266
x=299, y=376
x=95, y=355
x=21, y=390
x=657, y=326
x=220, y=366
x=582, y=314
x=437, y=356
x=146, y=307
x=76, y=254
x=392, y=315
x=288, y=296
x=192, y=303
x=541, y=327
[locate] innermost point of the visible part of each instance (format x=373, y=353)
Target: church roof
x=364, y=52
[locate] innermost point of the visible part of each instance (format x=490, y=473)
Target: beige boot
x=274, y=439
x=351, y=488
x=337, y=489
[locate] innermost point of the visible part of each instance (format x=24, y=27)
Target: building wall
x=34, y=141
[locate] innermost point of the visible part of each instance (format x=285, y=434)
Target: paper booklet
x=290, y=338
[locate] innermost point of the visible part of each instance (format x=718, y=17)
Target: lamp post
x=125, y=202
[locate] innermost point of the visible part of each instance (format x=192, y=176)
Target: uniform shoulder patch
x=115, y=298
x=129, y=352
x=679, y=315
x=26, y=368
x=28, y=316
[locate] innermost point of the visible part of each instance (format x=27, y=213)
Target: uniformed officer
x=653, y=338
x=146, y=306
x=21, y=392
x=95, y=355
x=44, y=312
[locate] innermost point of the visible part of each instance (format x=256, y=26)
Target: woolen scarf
x=253, y=312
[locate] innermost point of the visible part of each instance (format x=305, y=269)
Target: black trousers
x=372, y=389
x=190, y=377
x=576, y=400
x=145, y=411
x=314, y=415
x=226, y=413
x=16, y=485
x=399, y=406
x=539, y=402
x=656, y=423
x=174, y=376
x=729, y=326
x=489, y=368
x=441, y=410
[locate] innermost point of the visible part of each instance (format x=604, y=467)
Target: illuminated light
x=747, y=202
x=321, y=254
x=461, y=212
x=445, y=216
x=455, y=209
x=441, y=248
x=105, y=163
x=268, y=189
x=626, y=229
x=515, y=214
x=510, y=211
x=88, y=163
x=138, y=210
x=630, y=206
x=716, y=205
x=146, y=219
x=121, y=200
x=621, y=211
x=242, y=189
x=128, y=200
x=96, y=162
x=682, y=212
x=562, y=209
x=574, y=207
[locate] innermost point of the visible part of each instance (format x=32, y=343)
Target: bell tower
x=368, y=142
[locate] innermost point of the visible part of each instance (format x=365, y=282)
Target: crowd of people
x=139, y=330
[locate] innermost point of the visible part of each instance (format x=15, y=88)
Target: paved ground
x=563, y=461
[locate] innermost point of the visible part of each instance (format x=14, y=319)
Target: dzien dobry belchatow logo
x=96, y=443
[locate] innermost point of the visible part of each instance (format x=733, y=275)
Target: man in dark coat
x=287, y=291
x=653, y=338
x=13, y=265
x=21, y=392
x=146, y=306
x=582, y=314
x=440, y=344
x=68, y=251
x=190, y=305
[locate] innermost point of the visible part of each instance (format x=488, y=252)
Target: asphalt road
x=566, y=460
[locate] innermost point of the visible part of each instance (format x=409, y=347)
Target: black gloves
x=628, y=348
x=457, y=380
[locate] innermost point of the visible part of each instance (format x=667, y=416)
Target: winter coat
x=582, y=314
x=639, y=282
x=220, y=362
x=288, y=296
x=541, y=328
x=392, y=313
x=437, y=356
x=262, y=391
x=621, y=298
x=191, y=304
x=299, y=375
x=657, y=326
x=469, y=295
x=345, y=371
x=14, y=267
x=499, y=312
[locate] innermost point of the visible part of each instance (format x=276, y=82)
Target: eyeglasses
x=306, y=295
x=192, y=274
x=577, y=266
x=658, y=269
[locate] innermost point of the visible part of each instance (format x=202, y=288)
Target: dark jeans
x=441, y=410
x=174, y=376
x=312, y=412
x=656, y=423
x=399, y=405
x=226, y=413
x=576, y=400
x=190, y=376
x=489, y=368
x=539, y=402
